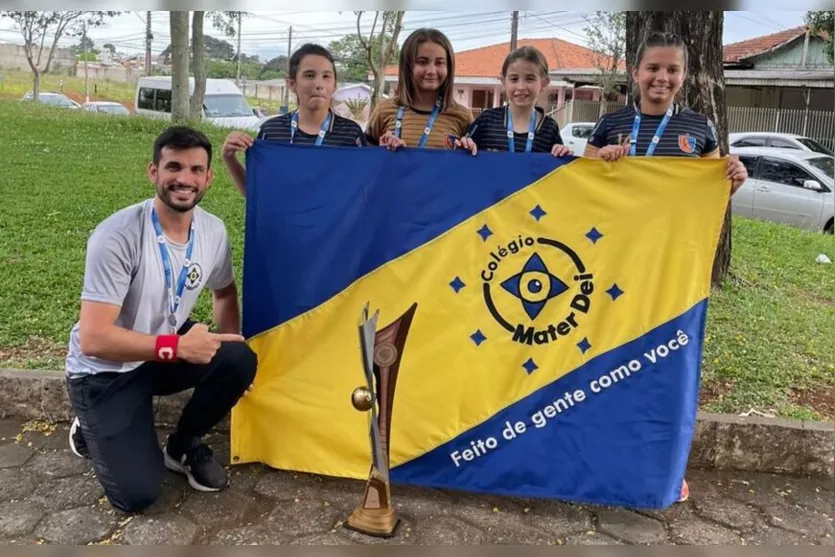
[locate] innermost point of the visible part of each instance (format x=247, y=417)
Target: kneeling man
x=145, y=268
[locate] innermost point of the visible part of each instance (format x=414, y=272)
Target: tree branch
x=359, y=31
x=398, y=22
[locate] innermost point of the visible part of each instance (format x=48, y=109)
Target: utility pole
x=514, y=30
x=84, y=40
x=148, y=37
x=238, y=71
x=289, y=51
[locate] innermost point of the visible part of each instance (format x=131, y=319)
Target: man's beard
x=166, y=195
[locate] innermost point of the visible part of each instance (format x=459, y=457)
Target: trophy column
x=382, y=353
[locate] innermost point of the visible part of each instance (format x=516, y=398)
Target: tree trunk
x=381, y=78
x=238, y=55
x=36, y=83
x=704, y=88
x=198, y=66
x=179, y=67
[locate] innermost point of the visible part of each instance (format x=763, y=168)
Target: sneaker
x=197, y=462
x=685, y=492
x=77, y=444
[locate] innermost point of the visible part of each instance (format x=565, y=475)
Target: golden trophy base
x=375, y=516
x=380, y=523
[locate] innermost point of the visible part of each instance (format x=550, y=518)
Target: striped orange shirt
x=455, y=120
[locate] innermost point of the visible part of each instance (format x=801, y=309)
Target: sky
x=266, y=33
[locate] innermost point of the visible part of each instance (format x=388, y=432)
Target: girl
x=657, y=126
x=312, y=77
x=521, y=126
x=423, y=113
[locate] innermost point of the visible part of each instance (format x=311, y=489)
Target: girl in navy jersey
x=312, y=77
x=657, y=126
x=521, y=126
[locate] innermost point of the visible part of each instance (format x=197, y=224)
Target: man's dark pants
x=117, y=417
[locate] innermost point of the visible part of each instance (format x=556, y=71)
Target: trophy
x=382, y=352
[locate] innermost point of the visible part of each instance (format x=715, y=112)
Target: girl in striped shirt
x=656, y=125
x=312, y=77
x=668, y=129
x=423, y=113
x=521, y=126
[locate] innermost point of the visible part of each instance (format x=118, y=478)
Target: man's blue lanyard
x=636, y=127
x=294, y=125
x=511, y=139
x=398, y=124
x=173, y=297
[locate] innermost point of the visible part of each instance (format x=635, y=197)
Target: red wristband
x=166, y=348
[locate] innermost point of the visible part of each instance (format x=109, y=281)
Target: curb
x=720, y=441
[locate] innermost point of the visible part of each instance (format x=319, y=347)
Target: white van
x=224, y=105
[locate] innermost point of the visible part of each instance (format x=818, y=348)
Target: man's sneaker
x=197, y=462
x=77, y=444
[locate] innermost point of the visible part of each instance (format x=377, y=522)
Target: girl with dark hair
x=312, y=77
x=656, y=125
x=423, y=113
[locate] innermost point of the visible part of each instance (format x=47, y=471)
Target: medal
x=174, y=294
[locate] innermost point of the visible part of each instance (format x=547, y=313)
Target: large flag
x=555, y=348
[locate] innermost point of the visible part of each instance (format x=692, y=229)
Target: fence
x=817, y=124
x=583, y=111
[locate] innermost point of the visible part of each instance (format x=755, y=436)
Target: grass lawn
x=16, y=83
x=770, y=329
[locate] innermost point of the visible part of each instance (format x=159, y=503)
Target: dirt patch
x=819, y=398
x=713, y=391
x=817, y=298
x=35, y=348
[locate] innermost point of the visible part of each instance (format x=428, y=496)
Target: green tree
x=85, y=44
x=391, y=24
x=606, y=32
x=352, y=59
x=230, y=23
x=824, y=24
x=277, y=67
x=35, y=27
x=214, y=49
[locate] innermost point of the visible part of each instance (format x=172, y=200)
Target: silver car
x=788, y=186
x=778, y=140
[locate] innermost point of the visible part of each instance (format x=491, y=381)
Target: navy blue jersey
x=489, y=132
x=688, y=133
x=341, y=132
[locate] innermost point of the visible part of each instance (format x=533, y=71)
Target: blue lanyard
x=511, y=139
x=294, y=125
x=636, y=127
x=398, y=124
x=173, y=298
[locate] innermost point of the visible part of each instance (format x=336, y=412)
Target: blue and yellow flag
x=555, y=350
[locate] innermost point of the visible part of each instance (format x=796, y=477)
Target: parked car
x=778, y=140
x=53, y=99
x=224, y=105
x=106, y=107
x=576, y=134
x=788, y=186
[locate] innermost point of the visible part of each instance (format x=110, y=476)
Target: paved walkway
x=47, y=495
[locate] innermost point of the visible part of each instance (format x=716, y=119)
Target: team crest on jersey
x=194, y=276
x=687, y=143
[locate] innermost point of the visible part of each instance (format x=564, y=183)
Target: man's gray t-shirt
x=124, y=268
